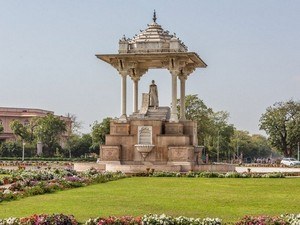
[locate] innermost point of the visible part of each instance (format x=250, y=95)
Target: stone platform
x=141, y=168
x=140, y=143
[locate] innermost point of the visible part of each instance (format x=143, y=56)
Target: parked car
x=290, y=162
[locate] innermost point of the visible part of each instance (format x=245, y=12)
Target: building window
x=26, y=122
x=1, y=123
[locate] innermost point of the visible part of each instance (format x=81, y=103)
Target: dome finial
x=154, y=16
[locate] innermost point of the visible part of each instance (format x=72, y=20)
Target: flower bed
x=28, y=183
x=43, y=219
x=288, y=219
x=150, y=219
x=207, y=174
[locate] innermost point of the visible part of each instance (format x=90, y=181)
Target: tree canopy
x=24, y=131
x=48, y=131
x=214, y=131
x=282, y=124
x=99, y=130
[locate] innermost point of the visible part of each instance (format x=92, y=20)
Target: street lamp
x=23, y=150
x=298, y=151
x=218, y=152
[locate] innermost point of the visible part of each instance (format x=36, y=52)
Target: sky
x=47, y=54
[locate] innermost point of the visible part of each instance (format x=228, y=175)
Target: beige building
x=24, y=115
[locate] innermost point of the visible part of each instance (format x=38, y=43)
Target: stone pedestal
x=181, y=153
x=172, y=144
x=110, y=153
x=119, y=128
x=174, y=128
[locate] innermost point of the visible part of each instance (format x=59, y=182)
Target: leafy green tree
x=196, y=110
x=223, y=131
x=78, y=145
x=11, y=149
x=1, y=128
x=24, y=132
x=75, y=124
x=99, y=130
x=282, y=124
x=250, y=146
x=48, y=131
x=261, y=147
x=214, y=131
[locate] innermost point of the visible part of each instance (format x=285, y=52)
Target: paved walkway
x=242, y=169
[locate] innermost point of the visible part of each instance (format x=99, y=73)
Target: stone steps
x=162, y=113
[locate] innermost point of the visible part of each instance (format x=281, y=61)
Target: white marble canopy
x=153, y=48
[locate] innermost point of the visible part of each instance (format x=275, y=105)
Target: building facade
x=24, y=115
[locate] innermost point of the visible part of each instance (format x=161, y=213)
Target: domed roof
x=153, y=39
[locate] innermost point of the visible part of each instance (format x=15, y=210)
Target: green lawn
x=229, y=199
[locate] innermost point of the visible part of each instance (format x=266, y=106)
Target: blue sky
x=47, y=54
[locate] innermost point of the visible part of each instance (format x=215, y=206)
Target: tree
x=11, y=149
x=99, y=130
x=196, y=110
x=75, y=124
x=213, y=130
x=1, y=128
x=250, y=146
x=48, y=131
x=80, y=145
x=222, y=134
x=22, y=131
x=282, y=124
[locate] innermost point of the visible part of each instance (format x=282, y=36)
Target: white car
x=290, y=162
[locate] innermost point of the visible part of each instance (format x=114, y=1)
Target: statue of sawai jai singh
x=153, y=95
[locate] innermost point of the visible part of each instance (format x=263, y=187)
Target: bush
x=262, y=220
x=153, y=219
x=10, y=221
x=209, y=174
x=292, y=219
x=44, y=219
x=274, y=175
x=28, y=183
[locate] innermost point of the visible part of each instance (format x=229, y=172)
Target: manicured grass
x=229, y=199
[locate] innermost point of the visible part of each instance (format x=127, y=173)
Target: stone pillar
x=174, y=116
x=39, y=147
x=123, y=97
x=135, y=95
x=182, y=97
x=136, y=73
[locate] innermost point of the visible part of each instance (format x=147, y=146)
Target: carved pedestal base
x=174, y=128
x=110, y=153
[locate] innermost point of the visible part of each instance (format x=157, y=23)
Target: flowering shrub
x=44, y=219
x=10, y=221
x=262, y=220
x=168, y=220
x=292, y=219
x=208, y=174
x=153, y=219
x=28, y=183
x=112, y=220
x=150, y=219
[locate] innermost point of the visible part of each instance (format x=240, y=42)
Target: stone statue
x=153, y=95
